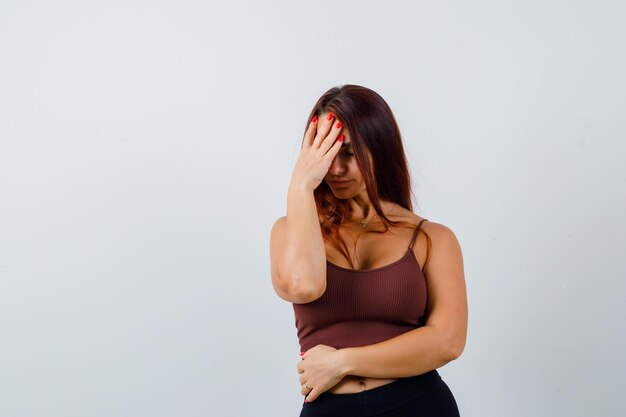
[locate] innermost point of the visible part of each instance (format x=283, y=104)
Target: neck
x=362, y=209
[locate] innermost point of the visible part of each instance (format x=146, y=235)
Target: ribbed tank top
x=362, y=307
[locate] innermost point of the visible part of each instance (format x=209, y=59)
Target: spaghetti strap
x=417, y=229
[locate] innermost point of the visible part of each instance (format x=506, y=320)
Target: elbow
x=299, y=291
x=453, y=353
x=306, y=294
x=453, y=348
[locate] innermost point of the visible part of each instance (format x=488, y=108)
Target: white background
x=146, y=149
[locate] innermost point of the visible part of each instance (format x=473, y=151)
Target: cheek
x=354, y=168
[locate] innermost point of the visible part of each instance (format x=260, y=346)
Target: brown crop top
x=362, y=307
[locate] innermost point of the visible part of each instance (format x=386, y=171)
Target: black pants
x=425, y=395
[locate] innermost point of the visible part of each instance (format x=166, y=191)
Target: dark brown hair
x=374, y=134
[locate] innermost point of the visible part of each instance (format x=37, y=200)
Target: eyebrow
x=345, y=144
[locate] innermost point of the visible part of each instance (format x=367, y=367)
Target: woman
x=378, y=292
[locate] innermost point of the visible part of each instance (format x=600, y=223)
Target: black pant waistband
x=380, y=398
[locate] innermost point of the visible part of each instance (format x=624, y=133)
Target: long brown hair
x=374, y=134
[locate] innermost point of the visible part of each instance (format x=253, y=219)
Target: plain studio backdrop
x=146, y=149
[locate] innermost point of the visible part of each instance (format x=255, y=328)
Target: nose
x=337, y=167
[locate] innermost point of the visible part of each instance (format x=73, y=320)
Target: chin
x=342, y=194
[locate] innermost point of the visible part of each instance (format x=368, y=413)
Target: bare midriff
x=351, y=384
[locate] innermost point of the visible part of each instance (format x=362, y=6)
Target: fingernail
x=301, y=353
x=330, y=116
x=341, y=138
x=314, y=119
x=338, y=125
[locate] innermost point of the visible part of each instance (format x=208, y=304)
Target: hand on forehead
x=323, y=118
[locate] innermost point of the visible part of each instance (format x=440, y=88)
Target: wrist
x=300, y=187
x=346, y=361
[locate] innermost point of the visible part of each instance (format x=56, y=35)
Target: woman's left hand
x=321, y=368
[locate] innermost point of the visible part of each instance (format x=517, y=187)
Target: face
x=344, y=168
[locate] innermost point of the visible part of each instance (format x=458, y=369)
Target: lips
x=342, y=182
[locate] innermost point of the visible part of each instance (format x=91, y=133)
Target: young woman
x=378, y=292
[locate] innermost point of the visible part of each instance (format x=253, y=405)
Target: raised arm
x=439, y=341
x=297, y=252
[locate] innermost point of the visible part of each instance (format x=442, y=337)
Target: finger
x=312, y=396
x=302, y=378
x=304, y=390
x=309, y=135
x=324, y=126
x=329, y=141
x=334, y=150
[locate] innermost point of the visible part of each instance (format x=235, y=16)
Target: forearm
x=304, y=259
x=412, y=353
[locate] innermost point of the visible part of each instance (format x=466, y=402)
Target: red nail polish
x=314, y=119
x=301, y=353
x=330, y=116
x=338, y=125
x=341, y=138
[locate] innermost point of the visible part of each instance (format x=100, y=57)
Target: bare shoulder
x=444, y=245
x=438, y=230
x=401, y=214
x=435, y=243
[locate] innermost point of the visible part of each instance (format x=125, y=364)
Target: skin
x=442, y=339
